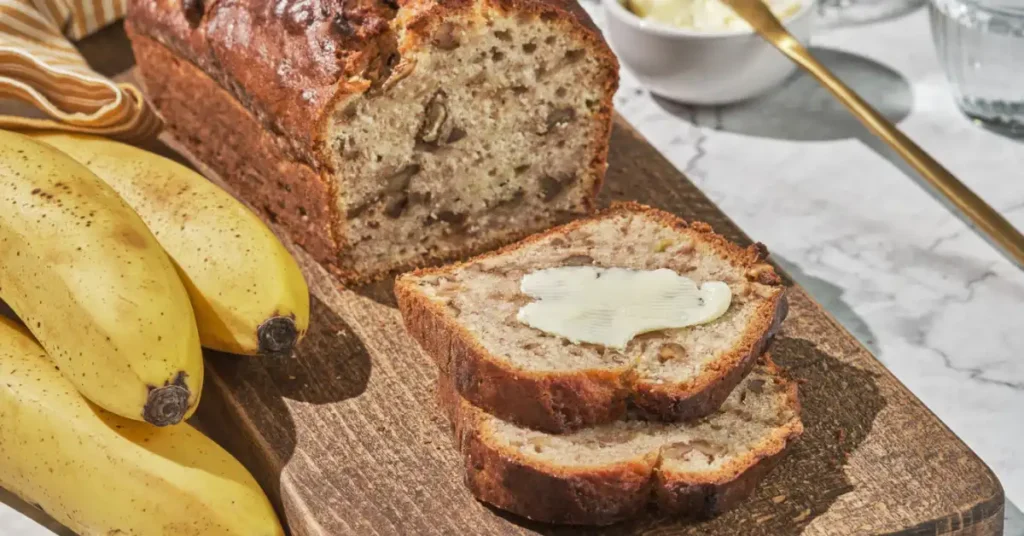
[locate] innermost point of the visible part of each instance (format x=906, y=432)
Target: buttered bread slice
x=611, y=472
x=561, y=330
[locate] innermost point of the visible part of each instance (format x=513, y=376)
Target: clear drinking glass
x=981, y=46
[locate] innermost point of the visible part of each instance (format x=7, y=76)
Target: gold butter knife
x=962, y=201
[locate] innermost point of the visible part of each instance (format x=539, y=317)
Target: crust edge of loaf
x=611, y=493
x=562, y=402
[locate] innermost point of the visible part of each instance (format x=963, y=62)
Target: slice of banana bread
x=608, y=473
x=465, y=317
x=387, y=134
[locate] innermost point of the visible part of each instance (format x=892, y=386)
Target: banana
x=81, y=269
x=247, y=291
x=100, y=474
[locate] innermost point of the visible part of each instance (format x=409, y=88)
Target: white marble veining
x=936, y=304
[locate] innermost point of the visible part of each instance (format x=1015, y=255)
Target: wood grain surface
x=346, y=438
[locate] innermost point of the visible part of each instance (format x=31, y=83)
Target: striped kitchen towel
x=39, y=66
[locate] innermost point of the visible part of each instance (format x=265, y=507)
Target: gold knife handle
x=965, y=202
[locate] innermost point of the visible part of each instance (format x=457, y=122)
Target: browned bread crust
x=605, y=494
x=558, y=402
x=225, y=136
x=250, y=88
x=285, y=61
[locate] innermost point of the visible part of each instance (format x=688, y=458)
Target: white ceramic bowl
x=701, y=67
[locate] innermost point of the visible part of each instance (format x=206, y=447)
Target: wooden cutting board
x=346, y=439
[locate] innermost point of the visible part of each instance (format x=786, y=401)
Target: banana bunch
x=122, y=265
x=247, y=291
x=90, y=281
x=100, y=474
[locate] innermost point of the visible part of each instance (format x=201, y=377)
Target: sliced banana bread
x=608, y=473
x=465, y=317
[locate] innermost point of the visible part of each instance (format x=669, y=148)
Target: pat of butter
x=610, y=306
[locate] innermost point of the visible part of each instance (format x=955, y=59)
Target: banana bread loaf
x=386, y=134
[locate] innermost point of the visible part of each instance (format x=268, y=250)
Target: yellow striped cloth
x=39, y=66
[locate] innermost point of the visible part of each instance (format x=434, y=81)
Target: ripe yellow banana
x=100, y=474
x=247, y=291
x=94, y=286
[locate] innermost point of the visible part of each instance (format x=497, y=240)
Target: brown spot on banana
x=131, y=238
x=277, y=336
x=167, y=405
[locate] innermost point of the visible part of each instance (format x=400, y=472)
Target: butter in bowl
x=699, y=51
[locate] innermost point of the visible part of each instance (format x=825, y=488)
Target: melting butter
x=610, y=306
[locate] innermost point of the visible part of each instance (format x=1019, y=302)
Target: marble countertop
x=933, y=301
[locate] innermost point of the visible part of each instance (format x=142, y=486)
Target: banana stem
x=277, y=336
x=167, y=405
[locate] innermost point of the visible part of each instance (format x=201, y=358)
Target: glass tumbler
x=980, y=44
